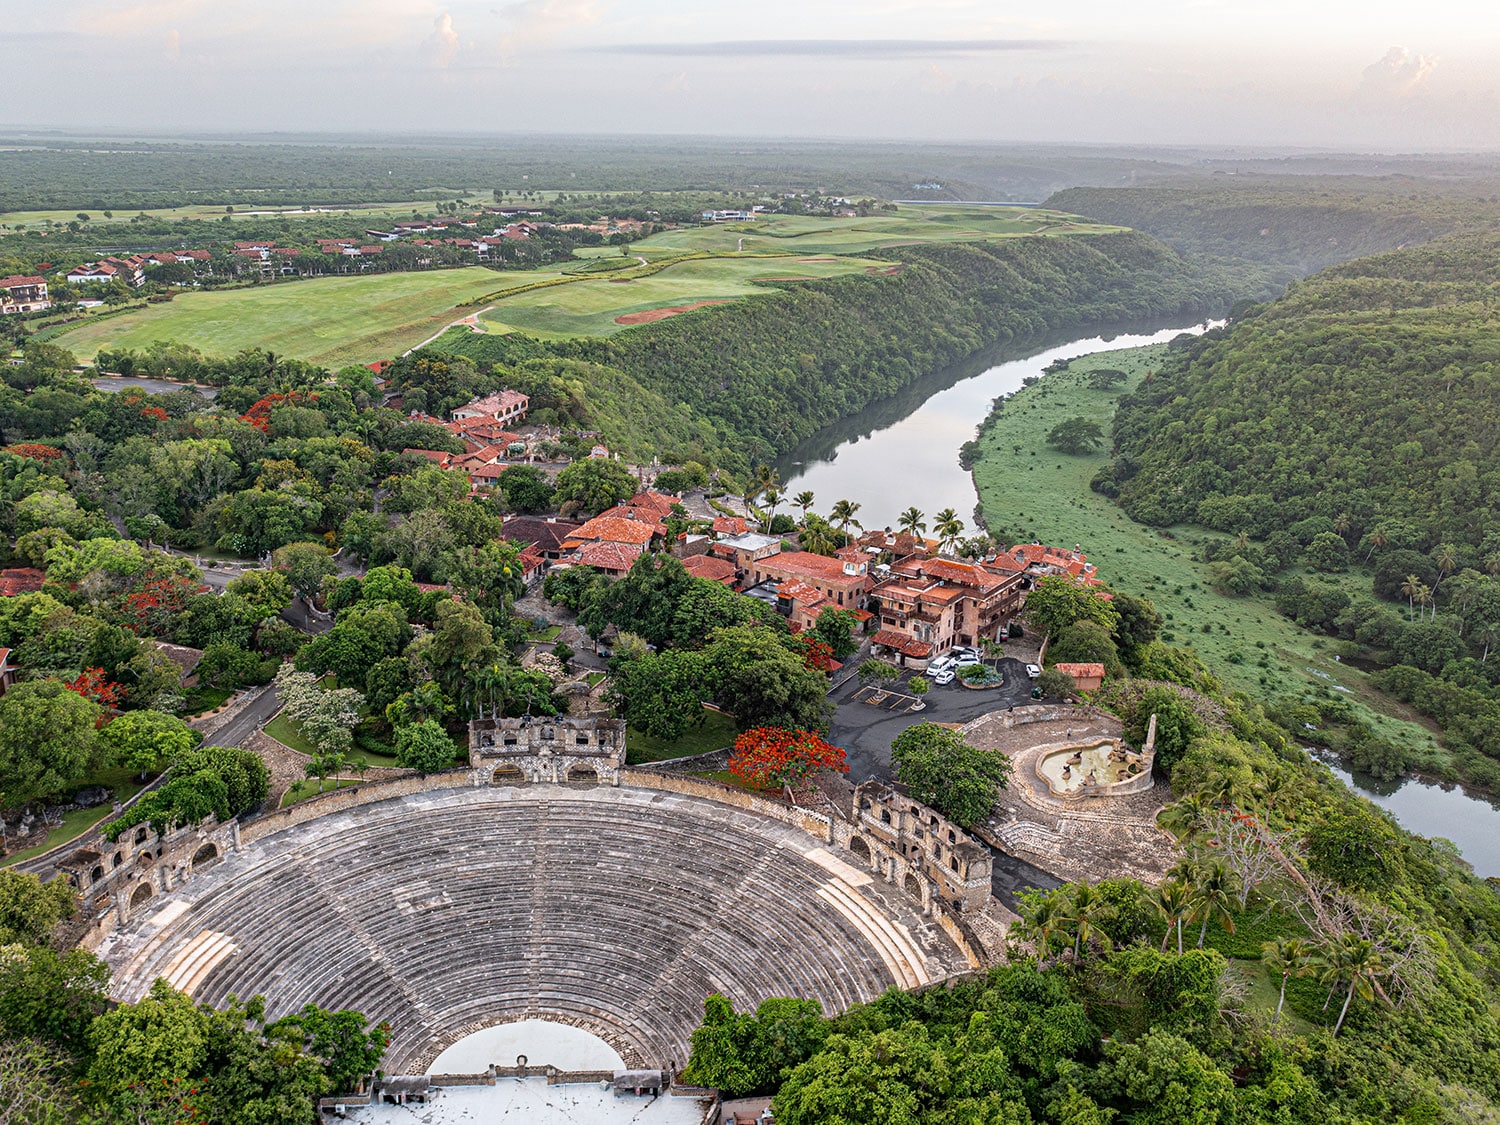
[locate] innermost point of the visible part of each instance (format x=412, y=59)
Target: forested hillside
x=1367, y=393
x=769, y=372
x=1296, y=228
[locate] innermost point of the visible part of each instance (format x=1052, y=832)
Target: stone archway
x=858, y=846
x=508, y=775
x=206, y=856
x=582, y=774
x=141, y=894
x=912, y=885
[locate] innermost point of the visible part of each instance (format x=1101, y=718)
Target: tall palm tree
x=803, y=500
x=1211, y=899
x=1172, y=901
x=1187, y=817
x=1342, y=523
x=1379, y=541
x=1044, y=920
x=842, y=515
x=817, y=538
x=1084, y=904
x=773, y=496
x=947, y=528
x=1487, y=634
x=1446, y=558
x=766, y=477
x=1413, y=590
x=1291, y=957
x=1356, y=960
x=912, y=522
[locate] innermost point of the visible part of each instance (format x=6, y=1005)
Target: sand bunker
x=650, y=315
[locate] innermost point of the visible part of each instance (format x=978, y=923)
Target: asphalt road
x=866, y=734
x=248, y=721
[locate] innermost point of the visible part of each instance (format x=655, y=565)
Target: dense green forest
x=1297, y=227
x=1305, y=962
x=769, y=372
x=1346, y=439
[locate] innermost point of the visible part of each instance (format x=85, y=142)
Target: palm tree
x=1342, y=523
x=1172, y=901
x=1446, y=558
x=803, y=500
x=1211, y=899
x=1187, y=817
x=1413, y=590
x=1291, y=957
x=766, y=477
x=1356, y=960
x=1379, y=541
x=1488, y=634
x=1046, y=919
x=817, y=538
x=912, y=522
x=1085, y=903
x=947, y=528
x=1492, y=563
x=773, y=496
x=842, y=515
x=1242, y=540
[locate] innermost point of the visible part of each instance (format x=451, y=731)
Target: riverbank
x=1029, y=490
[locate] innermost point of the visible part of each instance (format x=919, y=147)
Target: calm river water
x=904, y=450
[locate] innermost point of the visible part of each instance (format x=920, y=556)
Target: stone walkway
x=1086, y=839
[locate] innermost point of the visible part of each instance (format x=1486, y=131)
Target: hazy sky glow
x=1405, y=75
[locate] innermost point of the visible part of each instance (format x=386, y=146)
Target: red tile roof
x=890, y=638
x=609, y=556
x=1082, y=671
x=15, y=281
x=714, y=569
x=809, y=565
x=613, y=529
x=729, y=525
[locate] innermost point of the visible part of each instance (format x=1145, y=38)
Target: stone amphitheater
x=615, y=909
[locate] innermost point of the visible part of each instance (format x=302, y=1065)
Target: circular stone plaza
x=614, y=909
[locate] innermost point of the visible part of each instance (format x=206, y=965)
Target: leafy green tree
x=1086, y=642
x=1076, y=435
x=1054, y=683
x=662, y=693
x=424, y=746
x=52, y=995
x=48, y=740
x=305, y=565
x=527, y=489
x=1286, y=958
x=1327, y=552
x=591, y=485
x=1177, y=725
x=835, y=627
x=940, y=769
x=764, y=682
x=1164, y=1080
x=30, y=909
x=266, y=590
x=160, y=1038
x=718, y=1056
x=347, y=1045
x=37, y=1086
x=144, y=740
x=1057, y=602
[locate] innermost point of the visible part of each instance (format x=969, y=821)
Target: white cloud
x=442, y=45
x=1398, y=75
x=541, y=23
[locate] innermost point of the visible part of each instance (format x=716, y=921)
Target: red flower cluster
x=154, y=412
x=816, y=654
x=259, y=415
x=35, y=450
x=91, y=684
x=150, y=607
x=770, y=756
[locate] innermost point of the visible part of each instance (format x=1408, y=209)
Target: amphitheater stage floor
x=613, y=910
x=530, y=1101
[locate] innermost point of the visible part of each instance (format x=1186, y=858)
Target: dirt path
x=471, y=322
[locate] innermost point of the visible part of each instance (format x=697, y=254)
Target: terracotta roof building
x=1087, y=677
x=710, y=567
x=612, y=558
x=612, y=529
x=22, y=293
x=843, y=584
x=942, y=602
x=502, y=406
x=20, y=580
x=545, y=536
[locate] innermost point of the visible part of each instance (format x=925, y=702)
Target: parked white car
x=1033, y=670
x=968, y=660
x=940, y=665
x=944, y=677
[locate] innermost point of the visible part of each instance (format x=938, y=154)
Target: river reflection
x=903, y=450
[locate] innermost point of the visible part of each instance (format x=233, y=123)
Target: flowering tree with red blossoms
x=816, y=654
x=771, y=756
x=91, y=684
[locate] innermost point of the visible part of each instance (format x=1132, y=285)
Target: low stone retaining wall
x=210, y=724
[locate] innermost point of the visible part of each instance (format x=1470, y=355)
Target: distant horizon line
x=425, y=138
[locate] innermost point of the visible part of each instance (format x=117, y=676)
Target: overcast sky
x=1414, y=74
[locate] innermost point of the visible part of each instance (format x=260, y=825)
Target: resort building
x=502, y=406
x=942, y=603
x=23, y=293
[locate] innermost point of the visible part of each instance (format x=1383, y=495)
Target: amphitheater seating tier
x=616, y=910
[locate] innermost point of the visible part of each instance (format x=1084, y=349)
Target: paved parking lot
x=866, y=734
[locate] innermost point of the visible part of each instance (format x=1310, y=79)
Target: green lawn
x=329, y=320
x=715, y=733
x=589, y=306
x=200, y=699
x=284, y=731
x=75, y=822
x=311, y=787
x=1031, y=491
x=374, y=749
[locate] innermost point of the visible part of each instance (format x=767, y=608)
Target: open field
x=715, y=733
x=327, y=320
x=394, y=210
x=1029, y=490
x=590, y=305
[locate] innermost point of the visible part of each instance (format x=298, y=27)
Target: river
x=903, y=450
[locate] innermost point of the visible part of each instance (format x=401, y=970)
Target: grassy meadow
x=327, y=320
x=590, y=305
x=245, y=210
x=1031, y=491
x=338, y=320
